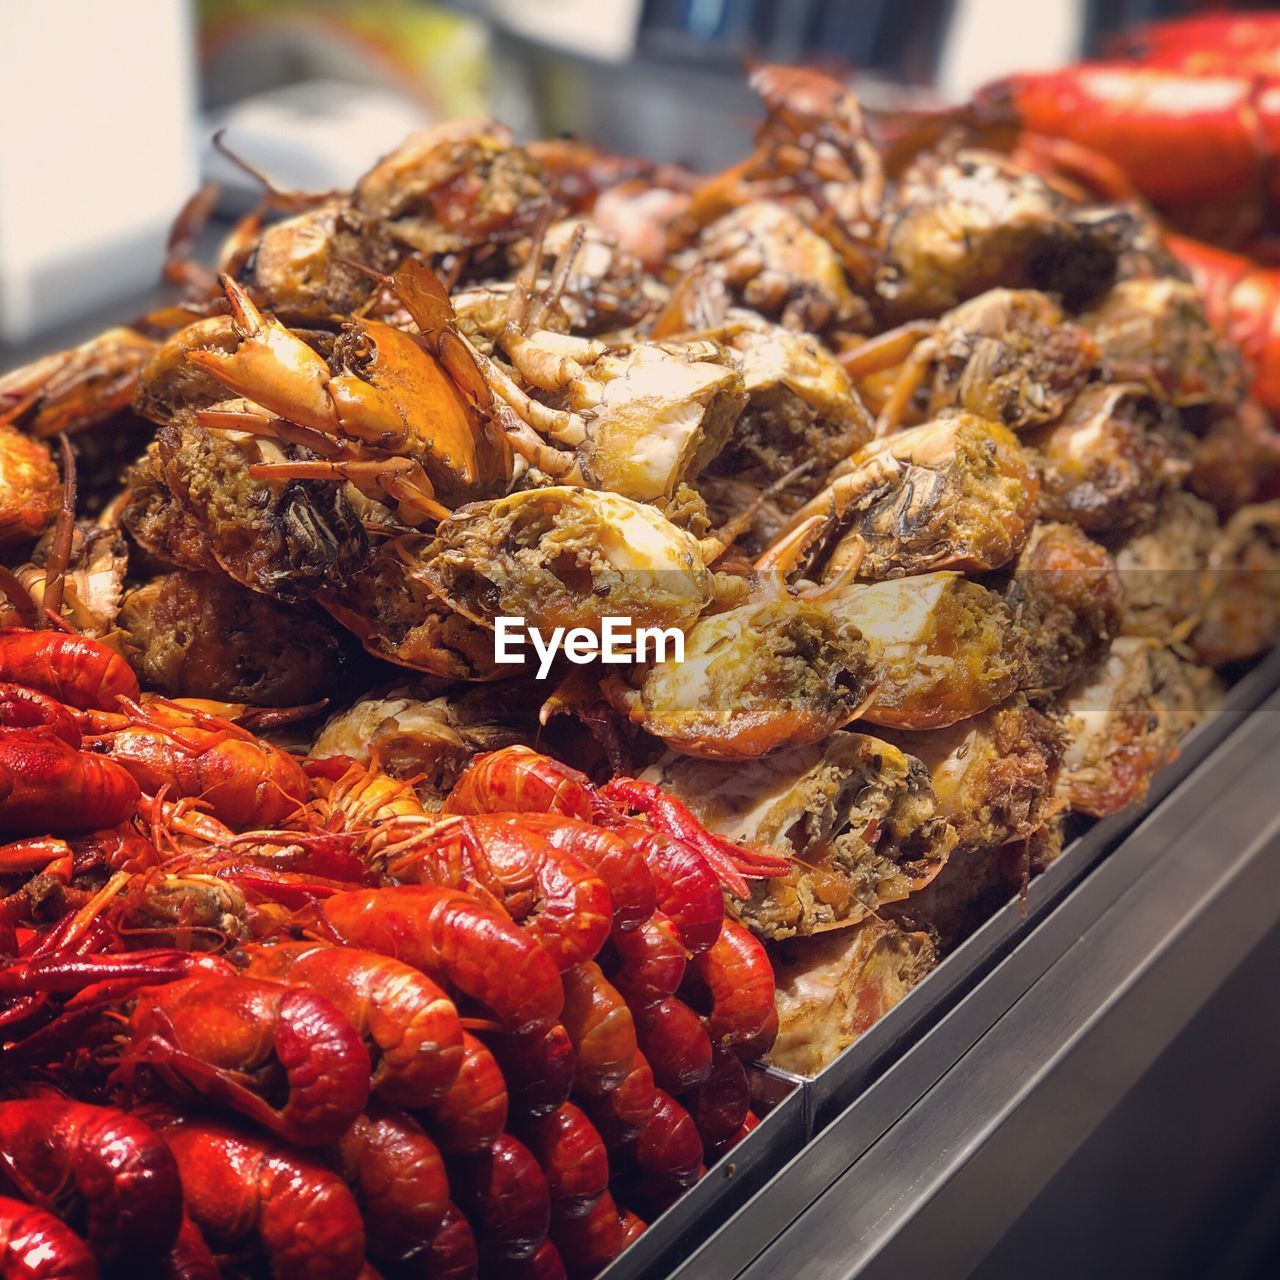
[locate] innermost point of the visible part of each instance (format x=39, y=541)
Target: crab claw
x=271, y=366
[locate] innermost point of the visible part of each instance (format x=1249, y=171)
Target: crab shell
x=399, y=618
x=942, y=648
x=1123, y=721
x=427, y=740
x=833, y=987
x=1242, y=614
x=658, y=413
x=1156, y=332
x=1011, y=356
x=955, y=493
x=567, y=557
x=1107, y=462
x=977, y=221
x=994, y=775
x=765, y=675
x=858, y=815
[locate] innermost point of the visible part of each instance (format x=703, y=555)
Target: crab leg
x=531, y=447
x=566, y=428
x=271, y=366
x=885, y=350
x=400, y=479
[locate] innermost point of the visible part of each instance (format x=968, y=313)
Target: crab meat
x=781, y=268
x=1110, y=458
x=454, y=186
x=1162, y=570
x=567, y=557
x=1156, y=332
x=1009, y=355
x=975, y=221
x=958, y=493
x=993, y=775
x=1068, y=600
x=765, y=675
x=941, y=648
x=1241, y=616
x=833, y=987
x=429, y=740
x=1123, y=722
x=858, y=816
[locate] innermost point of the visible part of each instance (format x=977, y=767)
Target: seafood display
x=340, y=938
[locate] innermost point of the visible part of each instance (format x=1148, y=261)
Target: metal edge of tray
x=1132, y=964
x=738, y=1174
x=734, y=1245
x=838, y=1084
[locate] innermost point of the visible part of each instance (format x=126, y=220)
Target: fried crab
x=975, y=221
x=1008, y=355
x=202, y=635
x=1123, y=721
x=834, y=986
x=195, y=503
x=957, y=493
x=756, y=678
x=857, y=815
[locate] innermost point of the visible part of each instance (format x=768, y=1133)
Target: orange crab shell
x=410, y=390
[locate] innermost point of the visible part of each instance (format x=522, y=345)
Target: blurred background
x=311, y=91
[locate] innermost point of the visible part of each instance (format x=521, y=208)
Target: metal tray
x=777, y=1139
x=687, y=1240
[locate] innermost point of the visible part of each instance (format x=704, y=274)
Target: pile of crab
x=491, y=1036
x=915, y=429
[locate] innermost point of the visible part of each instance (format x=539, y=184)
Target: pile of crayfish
x=264, y=1011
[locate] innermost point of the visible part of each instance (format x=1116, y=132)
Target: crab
x=857, y=815
x=955, y=493
x=566, y=556
x=640, y=417
x=963, y=224
x=1111, y=456
x=779, y=266
x=455, y=187
x=1155, y=331
x=1010, y=355
x=764, y=675
x=405, y=418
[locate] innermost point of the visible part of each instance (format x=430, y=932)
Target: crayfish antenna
x=276, y=197
x=75, y=927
